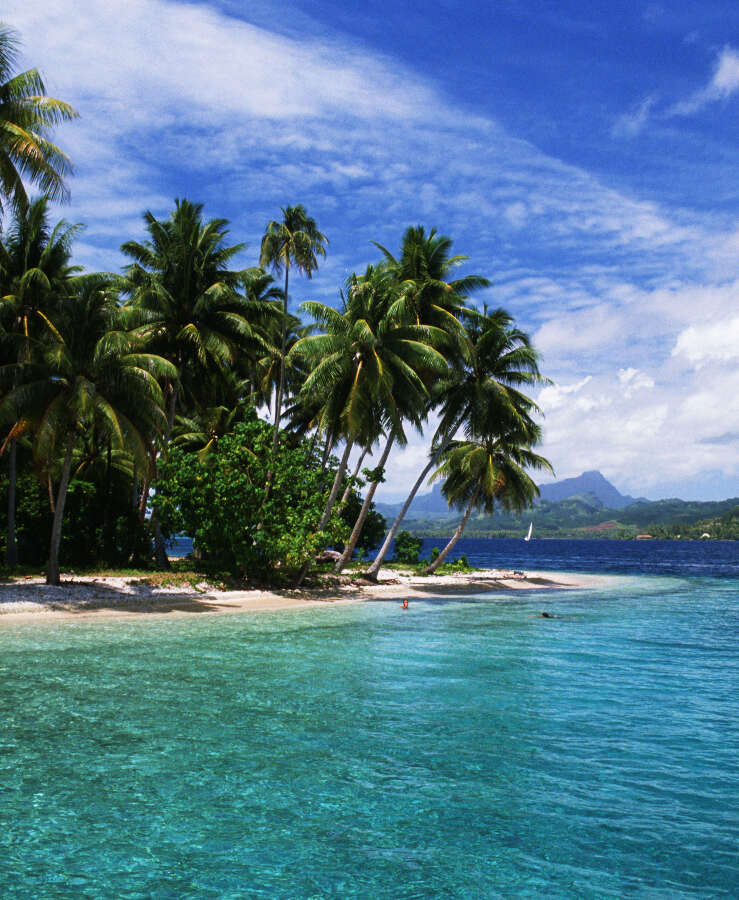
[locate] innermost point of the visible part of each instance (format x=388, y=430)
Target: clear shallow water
x=464, y=748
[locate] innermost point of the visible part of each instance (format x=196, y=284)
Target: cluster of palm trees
x=406, y=345
x=169, y=351
x=118, y=367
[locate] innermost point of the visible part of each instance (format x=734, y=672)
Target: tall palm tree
x=482, y=471
x=185, y=301
x=34, y=271
x=372, y=368
x=425, y=291
x=263, y=310
x=485, y=382
x=87, y=373
x=27, y=118
x=293, y=242
x=345, y=375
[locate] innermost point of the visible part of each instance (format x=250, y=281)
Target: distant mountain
x=587, y=483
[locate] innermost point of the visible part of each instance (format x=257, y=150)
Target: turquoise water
x=464, y=748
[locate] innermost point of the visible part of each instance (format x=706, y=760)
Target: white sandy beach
x=96, y=598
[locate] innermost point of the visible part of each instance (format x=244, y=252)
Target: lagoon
x=466, y=747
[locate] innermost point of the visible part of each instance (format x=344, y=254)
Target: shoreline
x=120, y=598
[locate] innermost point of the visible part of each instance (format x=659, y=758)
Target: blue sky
x=583, y=155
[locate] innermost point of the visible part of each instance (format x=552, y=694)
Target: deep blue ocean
x=466, y=747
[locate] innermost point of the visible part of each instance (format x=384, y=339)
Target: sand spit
x=94, y=598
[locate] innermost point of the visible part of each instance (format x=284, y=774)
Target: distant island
x=587, y=506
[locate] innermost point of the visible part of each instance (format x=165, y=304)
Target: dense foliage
x=116, y=389
x=218, y=500
x=407, y=547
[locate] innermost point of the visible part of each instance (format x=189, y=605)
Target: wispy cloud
x=724, y=83
x=179, y=99
x=632, y=123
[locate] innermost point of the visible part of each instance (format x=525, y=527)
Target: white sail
x=531, y=528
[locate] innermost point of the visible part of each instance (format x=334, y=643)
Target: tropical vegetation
x=183, y=394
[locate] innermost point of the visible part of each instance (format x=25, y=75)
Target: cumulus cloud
x=713, y=342
x=180, y=99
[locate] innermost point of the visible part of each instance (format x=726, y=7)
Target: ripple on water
x=459, y=749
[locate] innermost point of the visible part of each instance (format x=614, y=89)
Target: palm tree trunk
x=50, y=489
x=326, y=514
x=144, y=498
x=313, y=443
x=430, y=569
x=345, y=495
x=106, y=509
x=327, y=450
x=362, y=517
x=278, y=403
x=160, y=546
x=135, y=487
x=283, y=347
x=373, y=570
x=52, y=572
x=11, y=550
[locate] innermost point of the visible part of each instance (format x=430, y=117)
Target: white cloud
x=714, y=342
x=724, y=83
x=633, y=381
x=556, y=395
x=180, y=99
x=632, y=123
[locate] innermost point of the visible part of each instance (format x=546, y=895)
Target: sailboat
x=531, y=528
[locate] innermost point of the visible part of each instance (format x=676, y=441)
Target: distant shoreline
x=119, y=598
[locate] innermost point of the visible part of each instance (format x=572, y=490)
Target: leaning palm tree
x=345, y=374
x=34, y=271
x=27, y=118
x=87, y=373
x=374, y=369
x=293, y=242
x=480, y=472
x=499, y=362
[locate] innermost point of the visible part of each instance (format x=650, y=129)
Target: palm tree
x=425, y=293
x=87, y=373
x=498, y=362
x=27, y=118
x=186, y=303
x=295, y=241
x=480, y=471
x=371, y=368
x=34, y=270
x=202, y=429
x=345, y=373
x=263, y=310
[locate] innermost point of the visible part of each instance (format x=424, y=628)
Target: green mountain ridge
x=584, y=515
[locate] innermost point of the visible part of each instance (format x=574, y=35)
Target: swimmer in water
x=405, y=604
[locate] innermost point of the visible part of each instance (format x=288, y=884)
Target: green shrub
x=220, y=502
x=407, y=547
